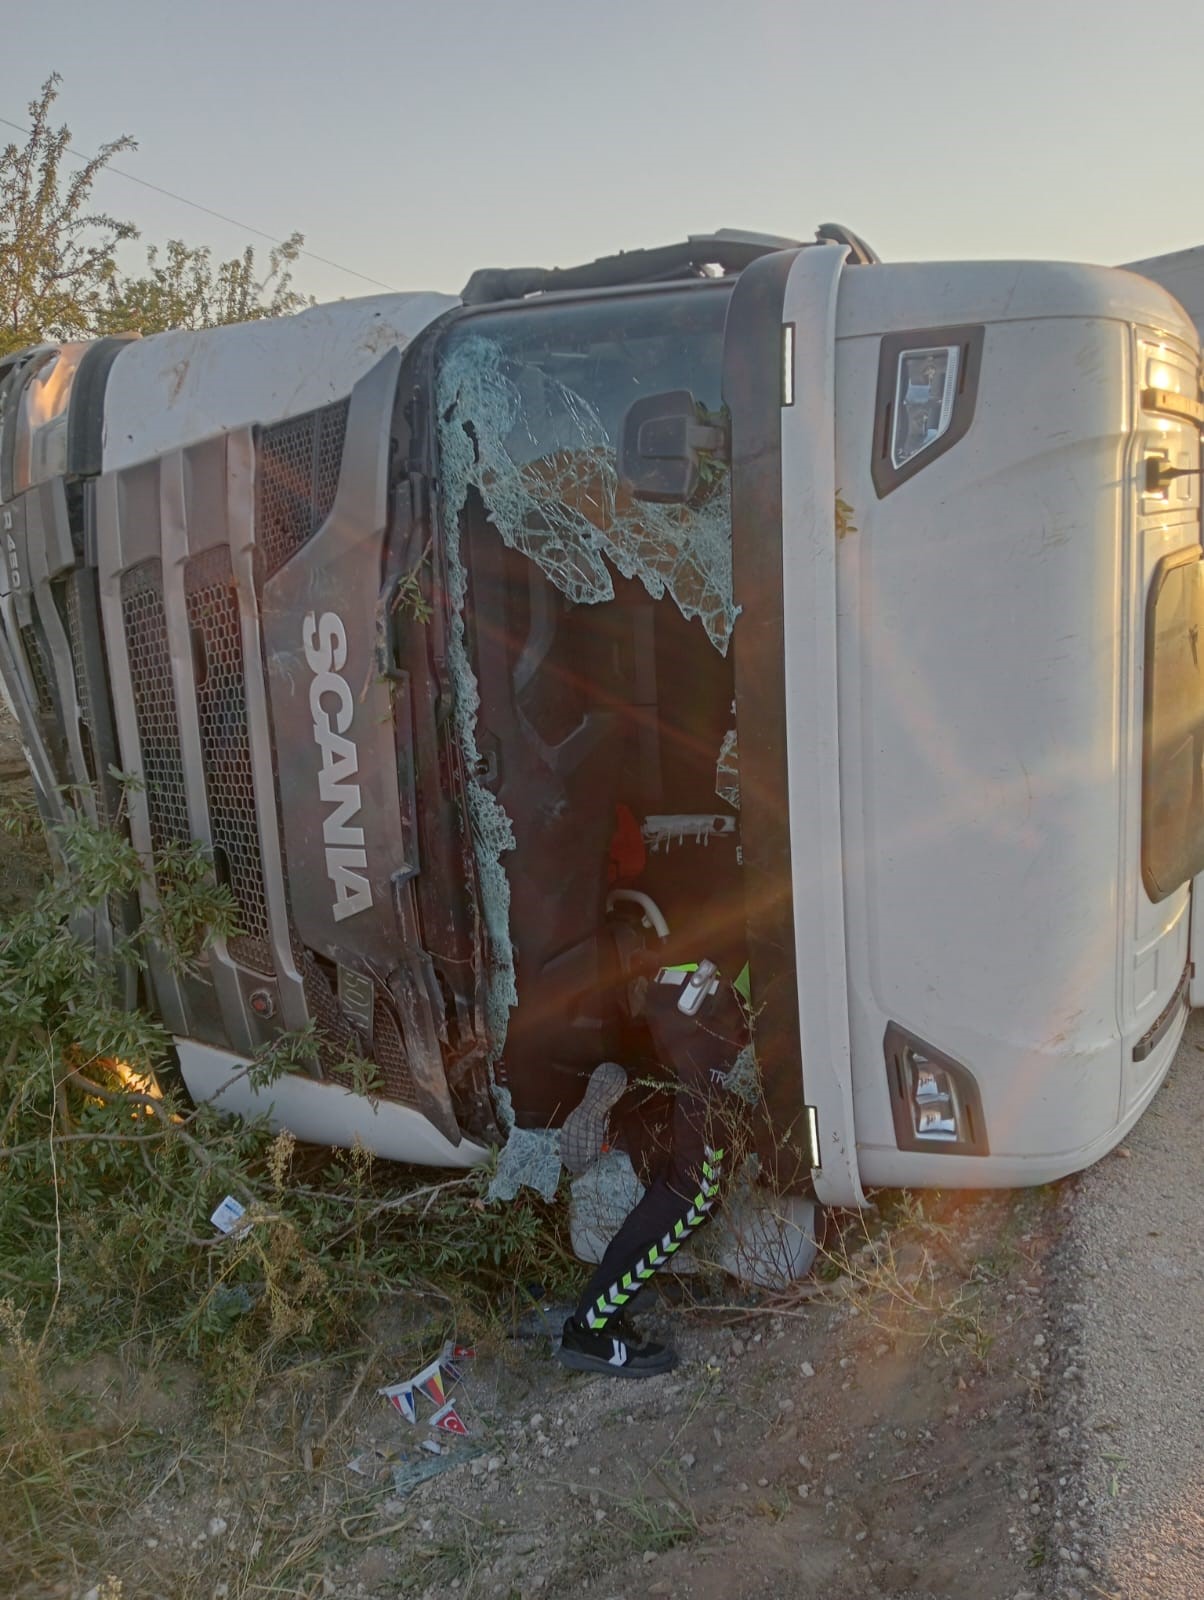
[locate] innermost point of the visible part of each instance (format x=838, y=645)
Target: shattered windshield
x=531, y=406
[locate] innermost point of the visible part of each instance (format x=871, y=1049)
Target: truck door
x=779, y=386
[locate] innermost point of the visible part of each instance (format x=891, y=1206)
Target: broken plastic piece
x=408, y=1475
x=432, y=1446
x=676, y=828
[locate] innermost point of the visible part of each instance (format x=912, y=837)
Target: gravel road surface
x=1130, y=1396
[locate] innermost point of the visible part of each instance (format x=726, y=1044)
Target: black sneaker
x=617, y=1351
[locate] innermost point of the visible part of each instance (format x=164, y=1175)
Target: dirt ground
x=885, y=1437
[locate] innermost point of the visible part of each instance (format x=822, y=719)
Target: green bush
x=109, y=1176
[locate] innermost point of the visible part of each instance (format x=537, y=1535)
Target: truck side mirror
x=665, y=440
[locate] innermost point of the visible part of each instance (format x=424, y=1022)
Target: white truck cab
x=861, y=600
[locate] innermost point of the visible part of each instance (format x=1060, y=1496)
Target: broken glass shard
x=727, y=770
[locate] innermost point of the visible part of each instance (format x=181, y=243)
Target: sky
x=414, y=141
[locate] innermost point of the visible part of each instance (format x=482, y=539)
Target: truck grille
x=296, y=476
x=154, y=703
x=221, y=702
x=297, y=473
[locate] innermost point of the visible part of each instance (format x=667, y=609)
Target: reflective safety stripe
x=620, y=1292
x=676, y=975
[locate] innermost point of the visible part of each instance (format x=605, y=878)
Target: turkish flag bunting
x=449, y=1420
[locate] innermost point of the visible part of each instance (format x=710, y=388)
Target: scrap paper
x=228, y=1215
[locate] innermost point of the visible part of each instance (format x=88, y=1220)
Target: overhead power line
x=210, y=212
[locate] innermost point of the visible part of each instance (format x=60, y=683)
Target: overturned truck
x=741, y=599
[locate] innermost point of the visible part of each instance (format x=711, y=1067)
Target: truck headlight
x=934, y=1099
x=925, y=387
x=927, y=392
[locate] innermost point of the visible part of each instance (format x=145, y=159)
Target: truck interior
x=597, y=637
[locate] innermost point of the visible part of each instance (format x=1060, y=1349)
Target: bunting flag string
x=433, y=1383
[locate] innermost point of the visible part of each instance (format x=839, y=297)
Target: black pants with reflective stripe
x=698, y=1051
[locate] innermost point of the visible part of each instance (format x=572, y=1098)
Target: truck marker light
x=332, y=707
x=813, y=1138
x=788, y=364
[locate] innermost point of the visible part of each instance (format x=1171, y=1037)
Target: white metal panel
x=894, y=298
x=894, y=1169
x=175, y=389
x=321, y=1113
x=988, y=704
x=812, y=731
x=1181, y=274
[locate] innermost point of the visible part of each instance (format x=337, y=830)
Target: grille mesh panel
x=221, y=703
x=332, y=435
x=154, y=703
x=338, y=1039
x=75, y=635
x=39, y=668
x=69, y=605
x=389, y=1055
x=297, y=474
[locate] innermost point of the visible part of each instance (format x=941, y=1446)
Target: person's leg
x=700, y=1049
x=665, y=1218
